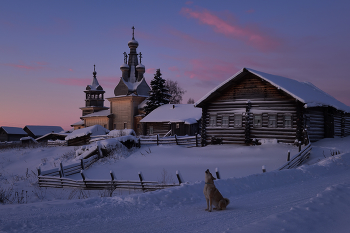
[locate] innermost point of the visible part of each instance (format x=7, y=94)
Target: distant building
x=36, y=131
x=126, y=107
x=256, y=105
x=173, y=119
x=8, y=134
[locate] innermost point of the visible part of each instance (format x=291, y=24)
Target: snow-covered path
x=312, y=198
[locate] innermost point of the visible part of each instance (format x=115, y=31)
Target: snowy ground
x=312, y=198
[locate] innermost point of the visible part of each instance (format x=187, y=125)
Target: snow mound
x=123, y=132
x=92, y=130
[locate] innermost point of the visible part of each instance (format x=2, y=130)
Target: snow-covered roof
x=92, y=130
x=172, y=113
x=13, y=130
x=40, y=130
x=99, y=113
x=305, y=92
x=81, y=122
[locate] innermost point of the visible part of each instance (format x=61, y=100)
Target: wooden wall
x=91, y=121
x=248, y=97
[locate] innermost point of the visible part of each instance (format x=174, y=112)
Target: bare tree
x=190, y=101
x=175, y=91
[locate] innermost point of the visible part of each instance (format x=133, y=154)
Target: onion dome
x=124, y=66
x=133, y=43
x=140, y=67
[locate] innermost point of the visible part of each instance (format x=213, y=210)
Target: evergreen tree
x=158, y=94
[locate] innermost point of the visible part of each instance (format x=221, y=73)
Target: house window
x=272, y=121
x=124, y=125
x=288, y=121
x=212, y=120
x=224, y=122
x=151, y=130
x=114, y=126
x=257, y=121
x=238, y=120
x=177, y=125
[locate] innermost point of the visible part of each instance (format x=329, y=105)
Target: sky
x=48, y=48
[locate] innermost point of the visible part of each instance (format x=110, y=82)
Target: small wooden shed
x=171, y=119
x=255, y=105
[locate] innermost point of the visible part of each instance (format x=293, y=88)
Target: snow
x=305, y=92
x=40, y=130
x=123, y=132
x=312, y=198
x=99, y=113
x=78, y=123
x=186, y=113
x=92, y=130
x=13, y=130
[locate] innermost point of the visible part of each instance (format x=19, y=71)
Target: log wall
x=249, y=97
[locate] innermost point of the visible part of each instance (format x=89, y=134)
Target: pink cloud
x=250, y=35
x=173, y=68
x=150, y=71
x=71, y=70
x=33, y=66
x=210, y=70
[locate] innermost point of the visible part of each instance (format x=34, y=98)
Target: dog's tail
x=227, y=201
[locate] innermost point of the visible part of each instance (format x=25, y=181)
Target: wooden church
x=252, y=105
x=126, y=106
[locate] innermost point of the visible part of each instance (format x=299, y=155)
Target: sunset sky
x=48, y=48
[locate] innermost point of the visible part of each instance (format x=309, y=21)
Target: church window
x=115, y=126
x=124, y=125
x=151, y=130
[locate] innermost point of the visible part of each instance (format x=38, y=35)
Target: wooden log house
x=252, y=105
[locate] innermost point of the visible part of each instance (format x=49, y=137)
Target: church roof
x=305, y=92
x=98, y=114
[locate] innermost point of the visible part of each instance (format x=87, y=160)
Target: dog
x=212, y=194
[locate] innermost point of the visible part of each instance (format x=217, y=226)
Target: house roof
x=81, y=122
x=14, y=130
x=172, y=113
x=40, y=130
x=305, y=92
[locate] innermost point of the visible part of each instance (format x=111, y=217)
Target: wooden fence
x=178, y=140
x=71, y=169
x=299, y=158
x=61, y=182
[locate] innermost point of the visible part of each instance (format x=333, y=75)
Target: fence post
x=112, y=175
x=263, y=169
x=139, y=143
x=82, y=175
x=288, y=158
x=176, y=140
x=39, y=171
x=157, y=139
x=62, y=170
x=196, y=140
x=179, y=177
x=217, y=173
x=141, y=179
x=299, y=146
x=82, y=164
